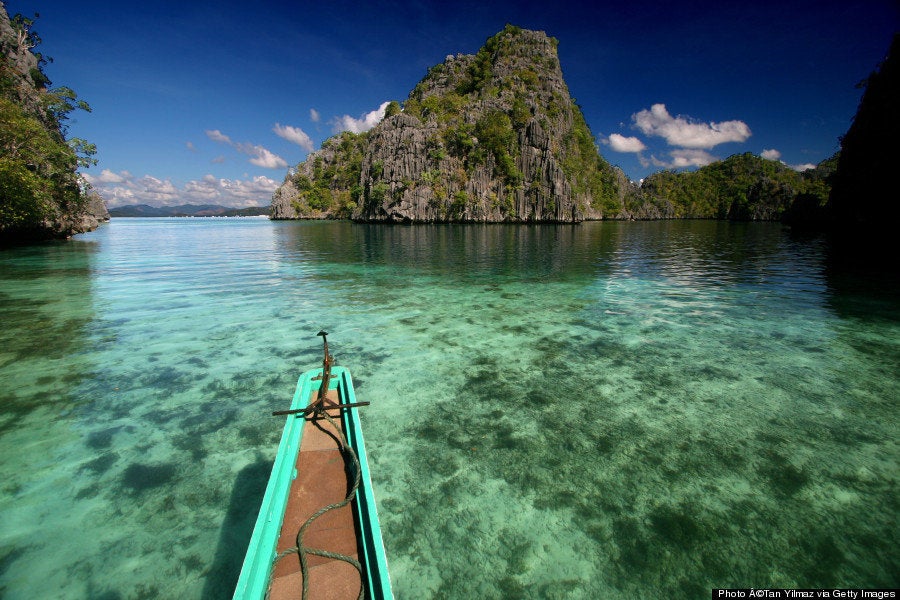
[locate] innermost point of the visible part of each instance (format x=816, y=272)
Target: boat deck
x=321, y=480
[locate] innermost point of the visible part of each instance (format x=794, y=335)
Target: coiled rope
x=302, y=550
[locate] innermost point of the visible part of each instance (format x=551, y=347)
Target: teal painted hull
x=257, y=569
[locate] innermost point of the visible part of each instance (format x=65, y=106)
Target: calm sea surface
x=609, y=410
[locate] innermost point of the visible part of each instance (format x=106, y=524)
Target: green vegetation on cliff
x=41, y=195
x=526, y=92
x=331, y=186
x=591, y=175
x=743, y=187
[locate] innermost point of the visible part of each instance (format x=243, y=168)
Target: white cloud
x=314, y=115
x=235, y=192
x=295, y=135
x=683, y=158
x=259, y=156
x=218, y=160
x=691, y=158
x=620, y=143
x=776, y=155
x=256, y=191
x=687, y=133
x=364, y=123
x=190, y=146
x=107, y=176
x=125, y=189
x=268, y=160
x=217, y=136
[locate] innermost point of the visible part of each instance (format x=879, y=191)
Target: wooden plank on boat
x=321, y=480
x=309, y=473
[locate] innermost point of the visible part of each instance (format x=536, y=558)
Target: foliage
x=393, y=108
x=39, y=183
x=742, y=187
x=519, y=114
x=28, y=38
x=40, y=80
x=494, y=132
x=443, y=108
x=458, y=139
x=328, y=183
x=413, y=107
x=586, y=169
x=529, y=78
x=439, y=191
x=816, y=183
x=379, y=192
x=458, y=206
x=84, y=151
x=497, y=138
x=58, y=103
x=38, y=173
x=479, y=73
x=481, y=70
x=25, y=202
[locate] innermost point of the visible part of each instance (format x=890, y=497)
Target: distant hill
x=743, y=187
x=187, y=210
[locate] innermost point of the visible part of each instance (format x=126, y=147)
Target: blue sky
x=206, y=102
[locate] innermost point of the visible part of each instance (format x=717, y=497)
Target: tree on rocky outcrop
x=41, y=193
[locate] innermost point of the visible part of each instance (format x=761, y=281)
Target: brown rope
x=318, y=410
x=302, y=550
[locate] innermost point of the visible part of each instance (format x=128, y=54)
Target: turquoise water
x=610, y=410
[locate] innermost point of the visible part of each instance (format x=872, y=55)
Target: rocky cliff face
x=491, y=137
x=21, y=65
x=41, y=194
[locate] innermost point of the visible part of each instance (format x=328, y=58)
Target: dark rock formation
x=493, y=137
x=809, y=210
x=862, y=195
